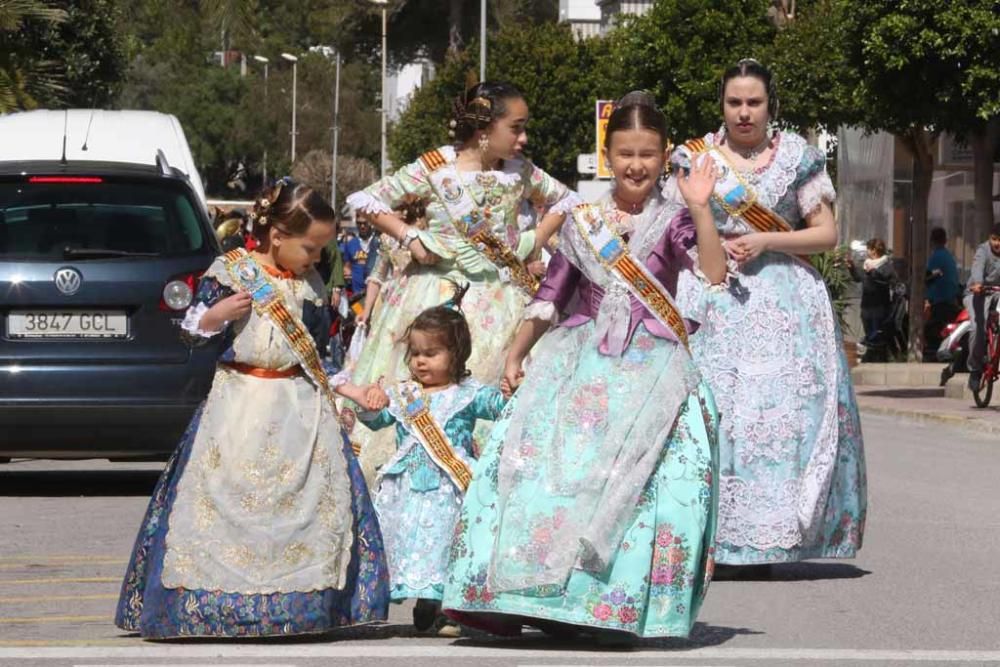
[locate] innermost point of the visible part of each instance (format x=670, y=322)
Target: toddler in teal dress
x=420, y=489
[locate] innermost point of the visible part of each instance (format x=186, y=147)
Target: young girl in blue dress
x=261, y=524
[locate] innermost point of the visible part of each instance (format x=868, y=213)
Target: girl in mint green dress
x=593, y=504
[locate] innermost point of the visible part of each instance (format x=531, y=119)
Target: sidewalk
x=930, y=404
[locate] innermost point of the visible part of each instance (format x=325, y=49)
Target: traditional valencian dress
x=473, y=227
x=420, y=489
x=594, y=501
x=792, y=470
x=261, y=523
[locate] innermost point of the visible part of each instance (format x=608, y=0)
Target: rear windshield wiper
x=104, y=252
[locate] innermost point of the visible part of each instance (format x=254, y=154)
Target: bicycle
x=991, y=365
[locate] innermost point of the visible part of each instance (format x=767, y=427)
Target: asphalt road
x=925, y=589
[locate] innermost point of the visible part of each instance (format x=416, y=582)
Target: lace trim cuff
x=732, y=269
x=566, y=204
x=816, y=190
x=541, y=310
x=362, y=201
x=192, y=318
x=340, y=379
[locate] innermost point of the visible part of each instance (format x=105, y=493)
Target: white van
x=97, y=135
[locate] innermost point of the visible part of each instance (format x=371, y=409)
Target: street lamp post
x=383, y=5
x=295, y=84
x=482, y=40
x=265, y=61
x=336, y=134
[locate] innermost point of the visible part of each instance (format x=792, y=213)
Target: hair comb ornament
x=479, y=110
x=455, y=302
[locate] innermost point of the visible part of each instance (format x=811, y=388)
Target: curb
x=968, y=423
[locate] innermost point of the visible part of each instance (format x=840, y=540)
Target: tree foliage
x=234, y=120
x=59, y=54
x=924, y=67
x=434, y=29
x=679, y=50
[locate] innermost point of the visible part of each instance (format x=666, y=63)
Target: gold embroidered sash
x=612, y=252
x=735, y=195
x=249, y=276
x=420, y=422
x=473, y=222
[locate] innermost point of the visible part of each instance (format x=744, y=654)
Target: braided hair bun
x=479, y=107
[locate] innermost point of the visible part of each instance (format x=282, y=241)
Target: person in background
x=941, y=299
x=985, y=274
x=360, y=253
x=331, y=271
x=876, y=280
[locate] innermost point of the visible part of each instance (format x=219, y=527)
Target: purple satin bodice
x=563, y=281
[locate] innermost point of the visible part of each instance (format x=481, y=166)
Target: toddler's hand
x=512, y=377
x=375, y=398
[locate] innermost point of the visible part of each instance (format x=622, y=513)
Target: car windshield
x=55, y=221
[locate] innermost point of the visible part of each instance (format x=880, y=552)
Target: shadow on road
x=702, y=635
x=63, y=483
x=905, y=392
x=806, y=571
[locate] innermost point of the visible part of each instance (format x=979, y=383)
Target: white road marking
x=355, y=649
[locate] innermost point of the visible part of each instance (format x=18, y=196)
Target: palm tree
x=24, y=78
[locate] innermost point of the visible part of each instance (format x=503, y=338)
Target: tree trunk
x=921, y=144
x=983, y=141
x=455, y=42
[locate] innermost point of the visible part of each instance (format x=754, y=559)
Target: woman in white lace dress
x=791, y=458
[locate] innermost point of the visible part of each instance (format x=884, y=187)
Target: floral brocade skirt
x=147, y=607
x=655, y=581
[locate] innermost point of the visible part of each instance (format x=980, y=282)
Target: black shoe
x=425, y=613
x=975, y=380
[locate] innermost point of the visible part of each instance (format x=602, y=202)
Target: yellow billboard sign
x=603, y=111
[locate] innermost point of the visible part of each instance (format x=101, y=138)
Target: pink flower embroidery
x=628, y=615
x=602, y=612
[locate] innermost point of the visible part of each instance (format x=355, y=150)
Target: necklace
x=751, y=154
x=628, y=207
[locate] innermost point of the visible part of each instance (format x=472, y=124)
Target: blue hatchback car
x=98, y=264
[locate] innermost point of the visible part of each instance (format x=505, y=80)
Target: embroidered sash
x=249, y=276
x=421, y=423
x=473, y=222
x=612, y=252
x=735, y=195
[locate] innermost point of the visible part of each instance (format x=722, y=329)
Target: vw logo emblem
x=68, y=281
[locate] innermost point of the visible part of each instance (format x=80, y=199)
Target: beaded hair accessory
x=258, y=215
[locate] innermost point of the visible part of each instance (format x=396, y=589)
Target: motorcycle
x=956, y=337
